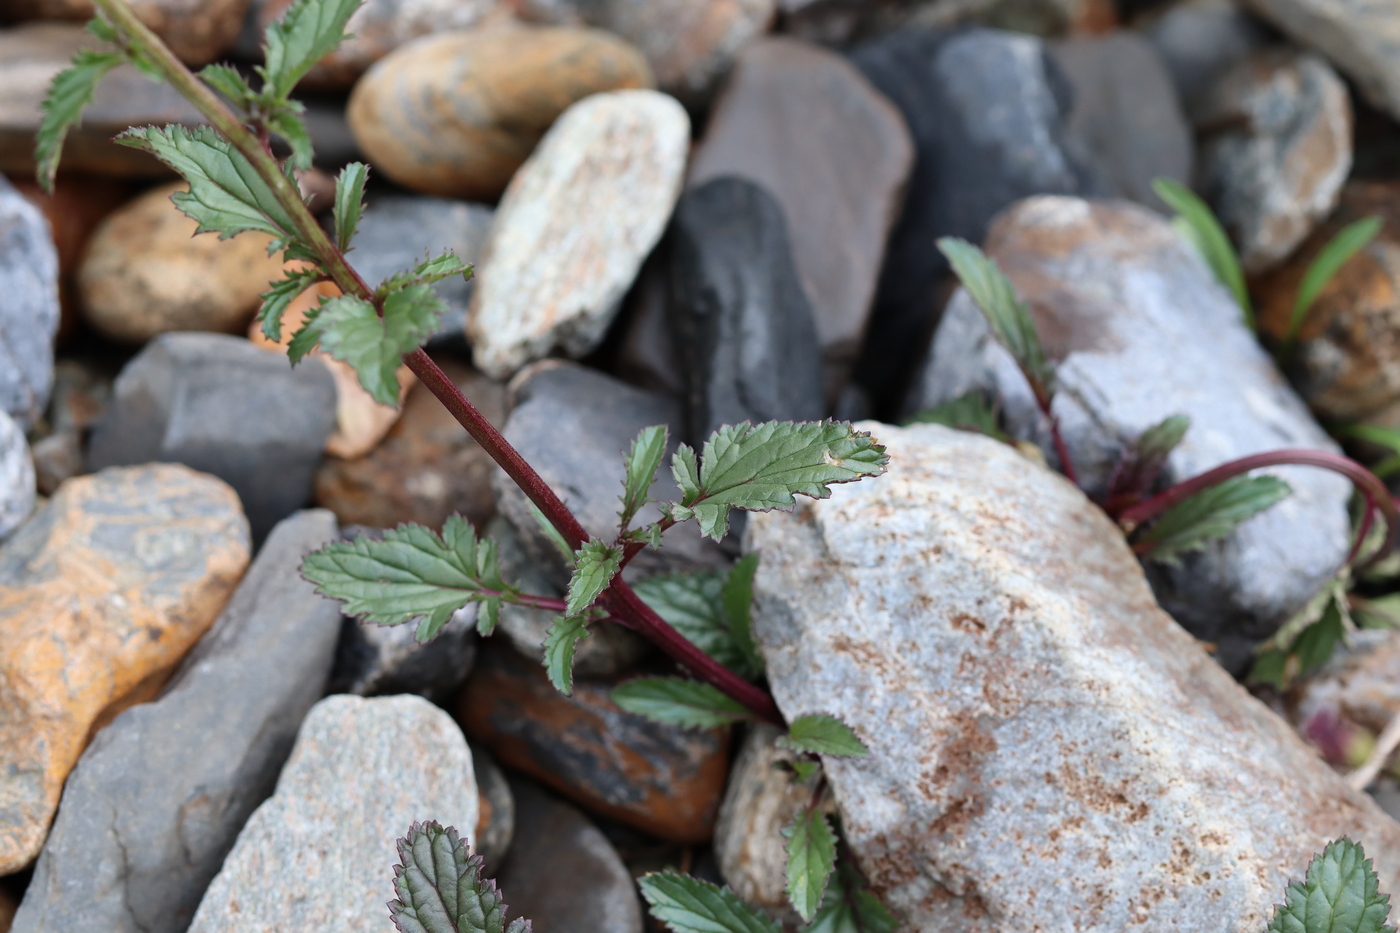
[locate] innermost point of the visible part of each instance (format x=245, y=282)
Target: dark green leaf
x=1316, y=643
x=1341, y=894
x=287, y=121
x=643, y=460
x=689, y=905
x=349, y=202
x=375, y=346
x=71, y=90
x=738, y=612
x=693, y=604
x=1346, y=244
x=595, y=564
x=849, y=908
x=559, y=645
x=811, y=855
x=305, y=339
x=1198, y=226
x=1007, y=316
x=1143, y=461
x=308, y=32
x=440, y=889
x=970, y=412
x=804, y=770
x=674, y=701
x=229, y=82
x=1210, y=514
x=823, y=734
x=279, y=297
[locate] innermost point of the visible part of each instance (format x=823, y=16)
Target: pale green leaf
x=229, y=82
x=287, y=121
x=559, y=646
x=970, y=412
x=1341, y=894
x=279, y=297
x=674, y=701
x=850, y=908
x=811, y=856
x=643, y=460
x=440, y=889
x=553, y=534
x=689, y=905
x=308, y=32
x=1351, y=240
x=488, y=615
x=595, y=564
x=1198, y=226
x=349, y=202
x=686, y=470
x=1210, y=514
x=823, y=734
x=71, y=90
x=374, y=346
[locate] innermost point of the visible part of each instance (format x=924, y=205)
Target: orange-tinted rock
x=196, y=30
x=456, y=114
x=101, y=595
x=661, y=779
x=146, y=273
x=426, y=468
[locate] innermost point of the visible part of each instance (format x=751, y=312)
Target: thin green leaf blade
x=560, y=643
x=643, y=460
x=689, y=905
x=1341, y=894
x=308, y=32
x=71, y=90
x=280, y=296
x=737, y=597
x=1210, y=514
x=595, y=565
x=1351, y=240
x=229, y=82
x=823, y=734
x=349, y=202
x=678, y=702
x=811, y=856
x=440, y=888
x=1204, y=232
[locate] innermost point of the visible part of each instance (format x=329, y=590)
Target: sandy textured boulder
x=1049, y=750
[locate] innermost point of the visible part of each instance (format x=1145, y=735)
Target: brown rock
x=456, y=114
x=146, y=273
x=661, y=779
x=426, y=468
x=8, y=906
x=101, y=594
x=198, y=31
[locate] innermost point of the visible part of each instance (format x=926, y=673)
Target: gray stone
x=1280, y=150
x=495, y=827
x=1361, y=37
x=565, y=877
x=808, y=127
x=319, y=854
x=158, y=798
x=1201, y=40
x=16, y=477
x=219, y=404
x=1125, y=122
x=1143, y=331
x=574, y=226
x=29, y=314
x=372, y=660
x=741, y=318
x=1041, y=733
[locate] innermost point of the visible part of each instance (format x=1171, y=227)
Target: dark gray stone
x=986, y=109
x=160, y=795
x=741, y=318
x=29, y=311
x=373, y=660
x=495, y=828
x=218, y=404
x=1201, y=40
x=565, y=876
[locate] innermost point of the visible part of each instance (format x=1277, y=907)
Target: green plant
x=440, y=889
x=1341, y=894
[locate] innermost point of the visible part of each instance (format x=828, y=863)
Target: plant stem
x=1061, y=451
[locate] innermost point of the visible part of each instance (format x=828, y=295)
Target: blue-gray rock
x=218, y=404
x=29, y=312
x=1200, y=40
x=373, y=660
x=740, y=315
x=1142, y=331
x=17, y=488
x=496, y=823
x=158, y=798
x=987, y=110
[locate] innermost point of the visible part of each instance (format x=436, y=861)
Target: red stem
x=1061, y=451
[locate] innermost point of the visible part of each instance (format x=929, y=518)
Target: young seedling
x=1341, y=894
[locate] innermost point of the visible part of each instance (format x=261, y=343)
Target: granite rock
x=101, y=595
x=574, y=226
x=197, y=31
x=319, y=854
x=495, y=827
x=217, y=403
x=1141, y=331
x=739, y=312
x=17, y=484
x=456, y=114
x=30, y=313
x=1039, y=729
x=158, y=798
x=375, y=660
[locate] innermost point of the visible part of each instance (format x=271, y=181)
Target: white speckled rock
x=29, y=311
x=319, y=854
x=16, y=477
x=1049, y=750
x=574, y=226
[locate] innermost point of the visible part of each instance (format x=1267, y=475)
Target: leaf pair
x=440, y=889
x=595, y=565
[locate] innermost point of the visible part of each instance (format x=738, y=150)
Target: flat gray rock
x=17, y=490
x=319, y=854
x=158, y=798
x=1143, y=332
x=1040, y=732
x=29, y=313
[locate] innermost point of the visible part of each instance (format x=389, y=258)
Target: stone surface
x=319, y=854
x=495, y=827
x=574, y=226
x=807, y=126
x=30, y=55
x=1200, y=40
x=661, y=779
x=1361, y=37
x=1142, y=331
x=1278, y=153
x=373, y=660
x=17, y=484
x=987, y=111
x=456, y=114
x=565, y=876
x=1125, y=122
x=219, y=404
x=1039, y=730
x=426, y=468
x=29, y=315
x=101, y=595
x=197, y=31
x=742, y=321
x=146, y=273
x=156, y=801
x=82, y=389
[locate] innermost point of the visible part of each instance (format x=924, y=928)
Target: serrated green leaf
x=678, y=702
x=279, y=297
x=738, y=610
x=488, y=616
x=306, y=338
x=1341, y=894
x=973, y=411
x=1198, y=226
x=689, y=905
x=308, y=32
x=1315, y=645
x=1210, y=514
x=643, y=460
x=288, y=122
x=762, y=467
x=410, y=572
x=1351, y=240
x=71, y=90
x=823, y=734
x=229, y=82
x=811, y=855
x=350, y=331
x=595, y=564
x=349, y=202
x=698, y=605
x=440, y=889
x=1007, y=316
x=426, y=272
x=850, y=908
x=559, y=646
x=226, y=195
x=686, y=470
